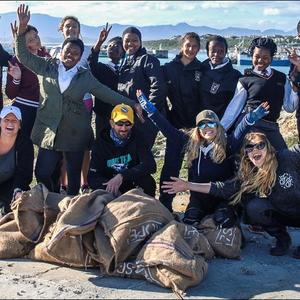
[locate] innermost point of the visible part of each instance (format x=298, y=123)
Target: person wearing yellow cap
x=120, y=160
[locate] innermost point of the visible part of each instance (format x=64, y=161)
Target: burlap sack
x=171, y=260
x=13, y=245
x=129, y=221
x=196, y=240
x=34, y=211
x=71, y=239
x=226, y=242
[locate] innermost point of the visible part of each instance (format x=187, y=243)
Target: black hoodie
x=133, y=161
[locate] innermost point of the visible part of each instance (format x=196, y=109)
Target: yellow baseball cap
x=122, y=112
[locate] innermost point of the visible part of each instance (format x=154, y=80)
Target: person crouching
x=120, y=158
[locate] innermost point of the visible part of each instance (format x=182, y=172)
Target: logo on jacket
x=197, y=76
x=119, y=163
x=214, y=88
x=286, y=181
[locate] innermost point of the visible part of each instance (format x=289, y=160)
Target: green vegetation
x=174, y=43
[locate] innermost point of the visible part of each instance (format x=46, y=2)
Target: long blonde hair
x=196, y=140
x=253, y=179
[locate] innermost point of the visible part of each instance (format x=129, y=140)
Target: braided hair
x=262, y=42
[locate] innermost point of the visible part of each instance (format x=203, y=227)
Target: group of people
x=225, y=123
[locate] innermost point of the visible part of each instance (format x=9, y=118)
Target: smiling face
x=256, y=149
x=208, y=130
x=190, y=48
x=216, y=52
x=115, y=51
x=10, y=125
x=70, y=55
x=33, y=41
x=261, y=58
x=131, y=43
x=122, y=128
x=71, y=29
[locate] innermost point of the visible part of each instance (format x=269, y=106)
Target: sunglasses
x=202, y=125
x=250, y=147
x=120, y=123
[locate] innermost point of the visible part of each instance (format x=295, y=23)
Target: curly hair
x=262, y=42
x=195, y=141
x=62, y=22
x=216, y=38
x=259, y=180
x=190, y=35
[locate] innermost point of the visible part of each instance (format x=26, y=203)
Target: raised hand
x=294, y=58
x=24, y=17
x=14, y=29
x=147, y=106
x=102, y=37
x=14, y=71
x=175, y=186
x=258, y=113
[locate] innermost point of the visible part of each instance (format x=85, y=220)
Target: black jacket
x=218, y=87
x=106, y=76
x=285, y=195
x=133, y=161
x=24, y=155
x=143, y=72
x=4, y=58
x=183, y=83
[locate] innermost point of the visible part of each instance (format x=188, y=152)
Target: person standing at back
x=22, y=85
x=141, y=70
x=106, y=73
x=183, y=77
x=70, y=28
x=219, y=78
x=4, y=58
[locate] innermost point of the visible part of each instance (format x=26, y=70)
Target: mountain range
x=48, y=30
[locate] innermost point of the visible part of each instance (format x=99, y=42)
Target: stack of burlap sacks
x=133, y=236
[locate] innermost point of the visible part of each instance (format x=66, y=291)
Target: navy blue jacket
x=285, y=195
x=203, y=169
x=218, y=87
x=183, y=91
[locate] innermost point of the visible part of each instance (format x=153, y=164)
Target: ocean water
x=202, y=56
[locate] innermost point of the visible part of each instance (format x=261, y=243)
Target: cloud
x=271, y=11
x=217, y=4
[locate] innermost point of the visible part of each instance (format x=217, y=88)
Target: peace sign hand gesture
x=102, y=37
x=24, y=17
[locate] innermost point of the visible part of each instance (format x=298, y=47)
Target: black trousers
x=6, y=194
x=260, y=211
x=47, y=169
x=172, y=164
x=147, y=183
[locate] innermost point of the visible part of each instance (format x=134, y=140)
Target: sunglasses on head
x=259, y=146
x=202, y=125
x=121, y=123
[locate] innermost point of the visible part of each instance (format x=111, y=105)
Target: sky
x=261, y=15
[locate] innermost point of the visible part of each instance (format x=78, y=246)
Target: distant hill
x=48, y=29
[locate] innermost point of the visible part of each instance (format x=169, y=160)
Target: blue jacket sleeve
x=171, y=133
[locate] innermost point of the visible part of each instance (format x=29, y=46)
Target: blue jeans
x=47, y=169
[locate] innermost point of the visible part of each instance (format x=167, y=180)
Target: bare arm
x=180, y=185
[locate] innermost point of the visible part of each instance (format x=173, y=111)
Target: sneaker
x=84, y=189
x=296, y=253
x=256, y=229
x=63, y=190
x=282, y=246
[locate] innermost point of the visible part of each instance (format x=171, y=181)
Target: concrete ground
x=255, y=275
